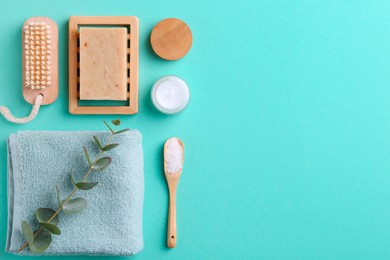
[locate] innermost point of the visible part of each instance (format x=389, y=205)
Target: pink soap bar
x=103, y=63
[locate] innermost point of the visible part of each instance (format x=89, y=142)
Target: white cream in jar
x=170, y=94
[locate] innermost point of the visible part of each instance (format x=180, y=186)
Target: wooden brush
x=40, y=60
x=40, y=66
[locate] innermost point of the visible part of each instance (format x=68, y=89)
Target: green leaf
x=83, y=185
x=112, y=131
x=116, y=122
x=58, y=196
x=71, y=178
x=74, y=206
x=109, y=147
x=87, y=155
x=102, y=163
x=52, y=228
x=86, y=185
x=41, y=242
x=121, y=131
x=97, y=142
x=27, y=232
x=44, y=214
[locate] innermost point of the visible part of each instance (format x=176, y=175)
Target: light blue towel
x=112, y=222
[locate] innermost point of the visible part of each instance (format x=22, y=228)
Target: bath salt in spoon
x=173, y=166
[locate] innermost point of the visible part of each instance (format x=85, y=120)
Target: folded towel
x=112, y=222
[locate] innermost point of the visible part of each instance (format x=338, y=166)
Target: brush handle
x=171, y=239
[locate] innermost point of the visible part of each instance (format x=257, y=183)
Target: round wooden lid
x=171, y=39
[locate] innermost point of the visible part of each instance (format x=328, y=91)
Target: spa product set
x=51, y=173
x=171, y=39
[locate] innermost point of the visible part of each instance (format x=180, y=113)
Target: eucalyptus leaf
x=52, y=228
x=109, y=147
x=86, y=185
x=58, y=196
x=121, y=131
x=116, y=122
x=72, y=179
x=112, y=131
x=44, y=214
x=87, y=155
x=97, y=142
x=41, y=242
x=74, y=206
x=27, y=232
x=102, y=163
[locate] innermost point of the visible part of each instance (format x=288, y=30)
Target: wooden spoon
x=172, y=181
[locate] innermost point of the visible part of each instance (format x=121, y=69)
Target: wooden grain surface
x=171, y=39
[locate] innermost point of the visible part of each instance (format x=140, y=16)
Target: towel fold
x=112, y=222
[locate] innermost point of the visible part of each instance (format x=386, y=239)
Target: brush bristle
x=37, y=54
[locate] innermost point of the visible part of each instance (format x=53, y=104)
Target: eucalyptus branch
x=48, y=219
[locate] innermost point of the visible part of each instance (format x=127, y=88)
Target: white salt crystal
x=173, y=156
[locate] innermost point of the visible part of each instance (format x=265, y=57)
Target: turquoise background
x=287, y=133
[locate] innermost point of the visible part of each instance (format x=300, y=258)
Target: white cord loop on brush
x=34, y=111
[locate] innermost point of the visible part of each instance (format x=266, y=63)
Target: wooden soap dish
x=129, y=22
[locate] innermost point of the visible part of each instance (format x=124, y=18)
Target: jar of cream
x=170, y=94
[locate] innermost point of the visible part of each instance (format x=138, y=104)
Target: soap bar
x=103, y=63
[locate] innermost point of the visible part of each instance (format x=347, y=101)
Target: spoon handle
x=171, y=239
